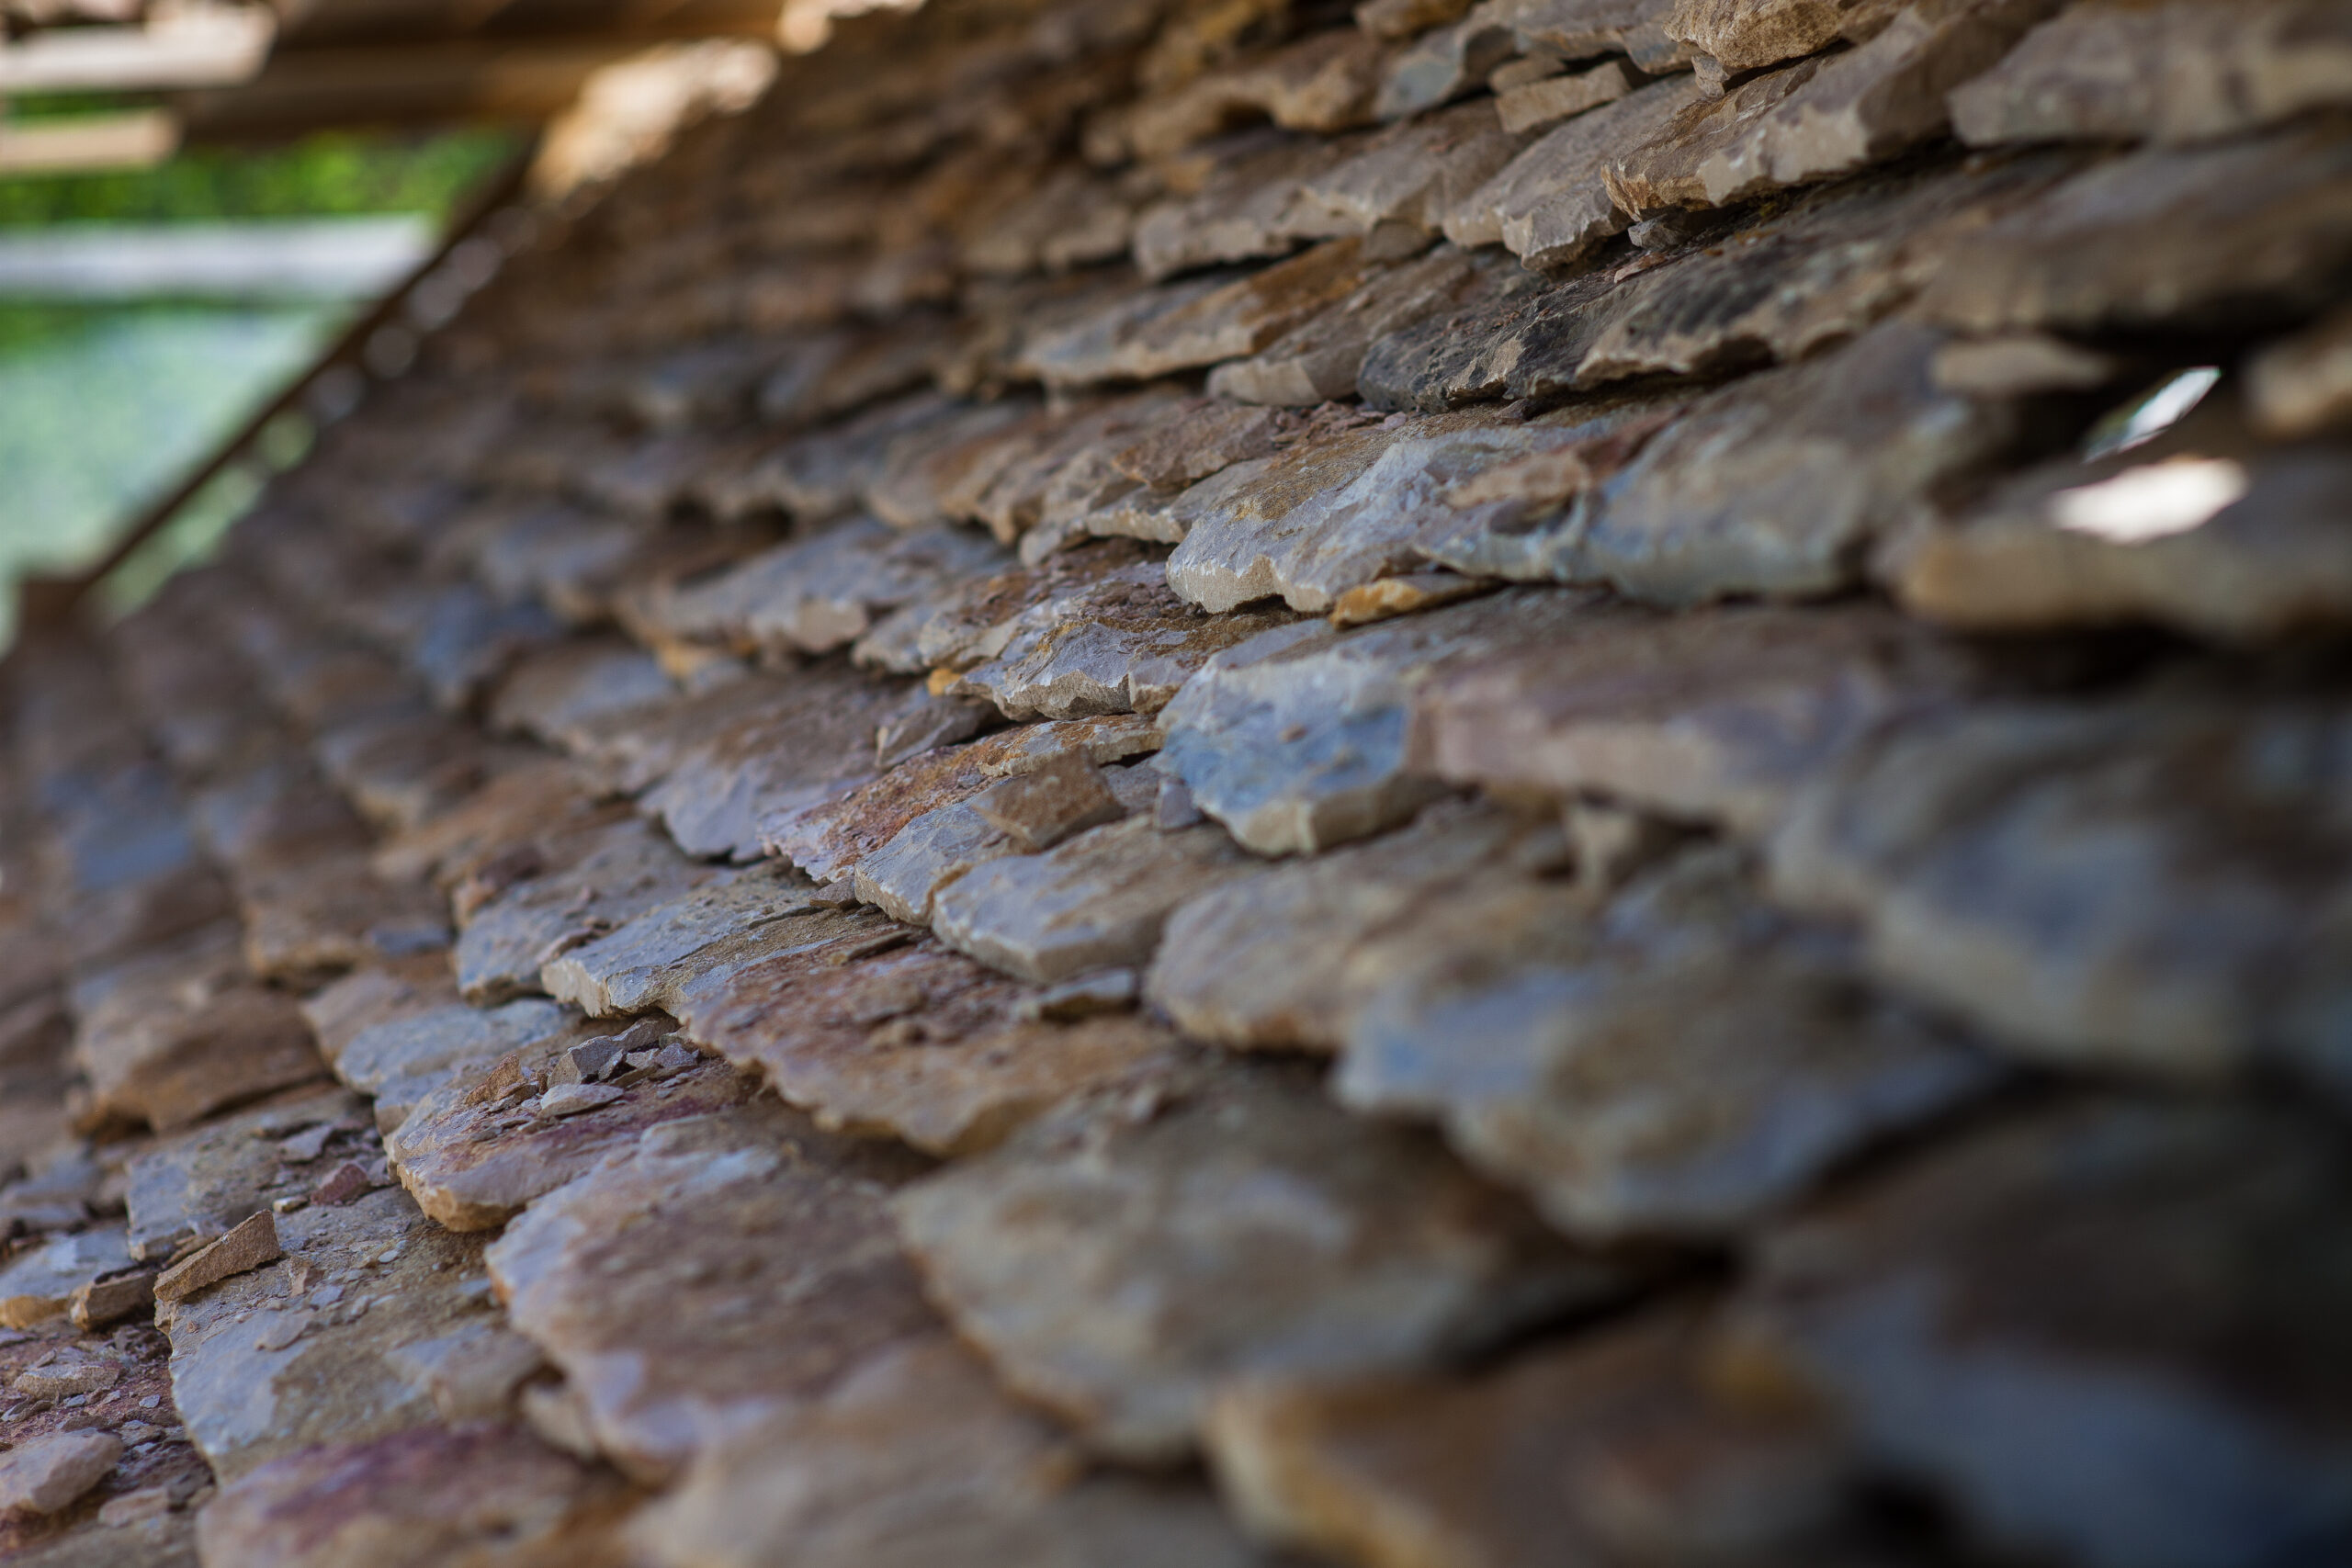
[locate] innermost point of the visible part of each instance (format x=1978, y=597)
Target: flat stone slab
x=1321, y=520
x=1295, y=741
x=771, y=1239
x=489, y=1141
x=1678, y=1065
x=1095, y=902
x=488, y=1494
x=1774, y=485
x=2166, y=73
x=1505, y=332
x=1319, y=359
x=305, y=1350
x=1112, y=1266
x=914, y=1042
x=2190, y=942
x=2023, y=1258
x=638, y=967
x=170, y=1036
x=1646, y=1462
x=1268, y=960
x=1713, y=714
x=48, y=1474
x=2201, y=528
x=956, y=625
x=916, y=1456
x=586, y=885
x=550, y=694
x=1824, y=115
x=2159, y=237
x=1552, y=204
x=1124, y=641
x=345, y=1008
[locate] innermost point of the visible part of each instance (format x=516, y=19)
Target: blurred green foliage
x=333, y=173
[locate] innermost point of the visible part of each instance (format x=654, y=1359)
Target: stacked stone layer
x=1557, y=782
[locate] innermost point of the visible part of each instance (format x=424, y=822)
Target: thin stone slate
x=2146, y=886
x=636, y=968
x=1113, y=1266
x=1717, y=715
x=1318, y=360
x=1551, y=203
x=914, y=1458
x=1267, y=961
x=1508, y=333
x=1680, y=1066
x=771, y=1240
x=1295, y=740
x=914, y=1042
x=208, y=1179
x=400, y=1063
x=1971, y=1312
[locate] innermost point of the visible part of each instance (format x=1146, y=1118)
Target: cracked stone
x=1119, y=1265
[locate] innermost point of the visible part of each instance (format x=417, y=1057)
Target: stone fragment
x=1553, y=203
x=2201, y=528
x=1114, y=1264
x=1535, y=104
x=604, y=877
x=39, y=1283
x=1684, y=1063
x=1242, y=204
x=2302, y=385
x=1196, y=323
x=48, y=1475
x=173, y=1034
x=768, y=1237
x=1037, y=810
x=1392, y=596
x=816, y=595
x=2161, y=237
x=1776, y=484
x=1266, y=961
x=102, y=1303
x=1295, y=739
x=1095, y=902
x=2169, y=72
x=1579, y=29
x=635, y=968
x=554, y=691
x=2021, y=363
x=915, y=1042
x=252, y=1243
x=1310, y=524
x=917, y=1457
x=203, y=1182
x=277, y=1360
x=2029, y=867
x=1121, y=640
x=1718, y=715
x=399, y=1064
x=1641, y=1462
x=476, y=1150
x=479, y=1497
x=1317, y=361
x=2169, y=1270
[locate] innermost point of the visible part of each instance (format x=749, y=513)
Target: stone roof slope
x=1549, y=782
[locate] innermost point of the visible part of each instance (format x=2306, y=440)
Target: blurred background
x=198, y=199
